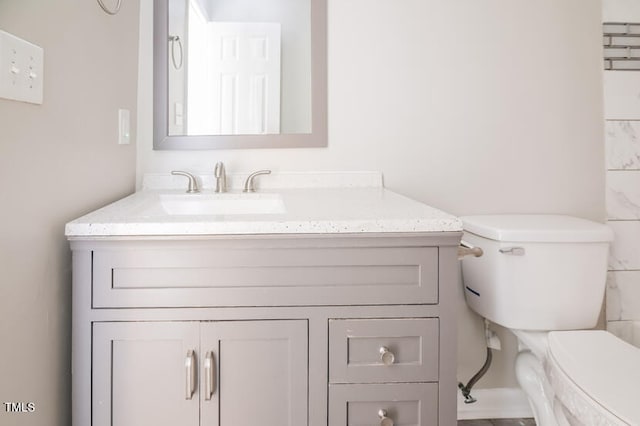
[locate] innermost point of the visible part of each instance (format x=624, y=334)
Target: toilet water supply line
x=493, y=342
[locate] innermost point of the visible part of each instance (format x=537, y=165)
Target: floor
x=497, y=422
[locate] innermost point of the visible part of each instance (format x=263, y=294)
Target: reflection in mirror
x=239, y=73
x=248, y=67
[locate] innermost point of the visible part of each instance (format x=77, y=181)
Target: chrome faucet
x=221, y=177
x=193, y=183
x=248, y=184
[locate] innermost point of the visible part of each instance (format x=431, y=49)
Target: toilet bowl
x=543, y=277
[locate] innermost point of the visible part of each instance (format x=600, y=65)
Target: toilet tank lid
x=537, y=228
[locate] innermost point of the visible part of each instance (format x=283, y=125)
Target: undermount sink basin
x=222, y=204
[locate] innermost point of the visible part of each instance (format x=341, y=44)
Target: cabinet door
x=258, y=374
x=141, y=374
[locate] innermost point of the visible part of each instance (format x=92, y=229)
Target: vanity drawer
x=383, y=350
x=171, y=276
x=406, y=404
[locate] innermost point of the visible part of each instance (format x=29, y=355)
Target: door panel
x=140, y=374
x=261, y=373
x=245, y=74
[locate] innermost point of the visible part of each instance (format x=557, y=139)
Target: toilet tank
x=538, y=272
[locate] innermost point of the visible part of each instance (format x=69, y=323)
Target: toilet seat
x=595, y=375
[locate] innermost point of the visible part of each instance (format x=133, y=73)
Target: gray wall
x=57, y=161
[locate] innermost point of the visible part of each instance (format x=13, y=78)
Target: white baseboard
x=495, y=403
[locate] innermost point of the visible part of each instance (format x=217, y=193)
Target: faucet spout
x=221, y=177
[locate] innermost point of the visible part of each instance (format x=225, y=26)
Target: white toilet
x=543, y=277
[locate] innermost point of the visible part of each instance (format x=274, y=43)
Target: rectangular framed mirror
x=239, y=74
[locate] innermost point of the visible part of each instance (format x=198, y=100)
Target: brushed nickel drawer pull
x=190, y=368
x=384, y=420
x=209, y=373
x=386, y=356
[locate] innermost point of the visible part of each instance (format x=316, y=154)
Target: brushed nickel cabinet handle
x=384, y=420
x=209, y=374
x=190, y=369
x=386, y=356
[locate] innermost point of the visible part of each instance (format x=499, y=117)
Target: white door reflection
x=233, y=84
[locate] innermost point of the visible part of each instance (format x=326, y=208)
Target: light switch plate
x=21, y=69
x=124, y=127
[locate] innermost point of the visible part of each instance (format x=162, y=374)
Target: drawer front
x=383, y=350
x=406, y=404
x=176, y=277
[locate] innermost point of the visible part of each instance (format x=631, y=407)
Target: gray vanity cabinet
x=269, y=330
x=170, y=373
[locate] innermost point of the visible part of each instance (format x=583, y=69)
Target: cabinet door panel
x=261, y=373
x=140, y=374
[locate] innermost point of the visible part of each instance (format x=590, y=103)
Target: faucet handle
x=193, y=183
x=248, y=184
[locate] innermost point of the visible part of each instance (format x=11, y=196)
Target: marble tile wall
x=622, y=95
x=622, y=144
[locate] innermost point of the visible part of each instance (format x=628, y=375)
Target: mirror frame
x=318, y=135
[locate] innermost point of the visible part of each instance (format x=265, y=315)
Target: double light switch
x=21, y=69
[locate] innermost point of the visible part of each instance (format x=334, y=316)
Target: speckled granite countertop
x=330, y=203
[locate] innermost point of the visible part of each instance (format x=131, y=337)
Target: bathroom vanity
x=337, y=310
